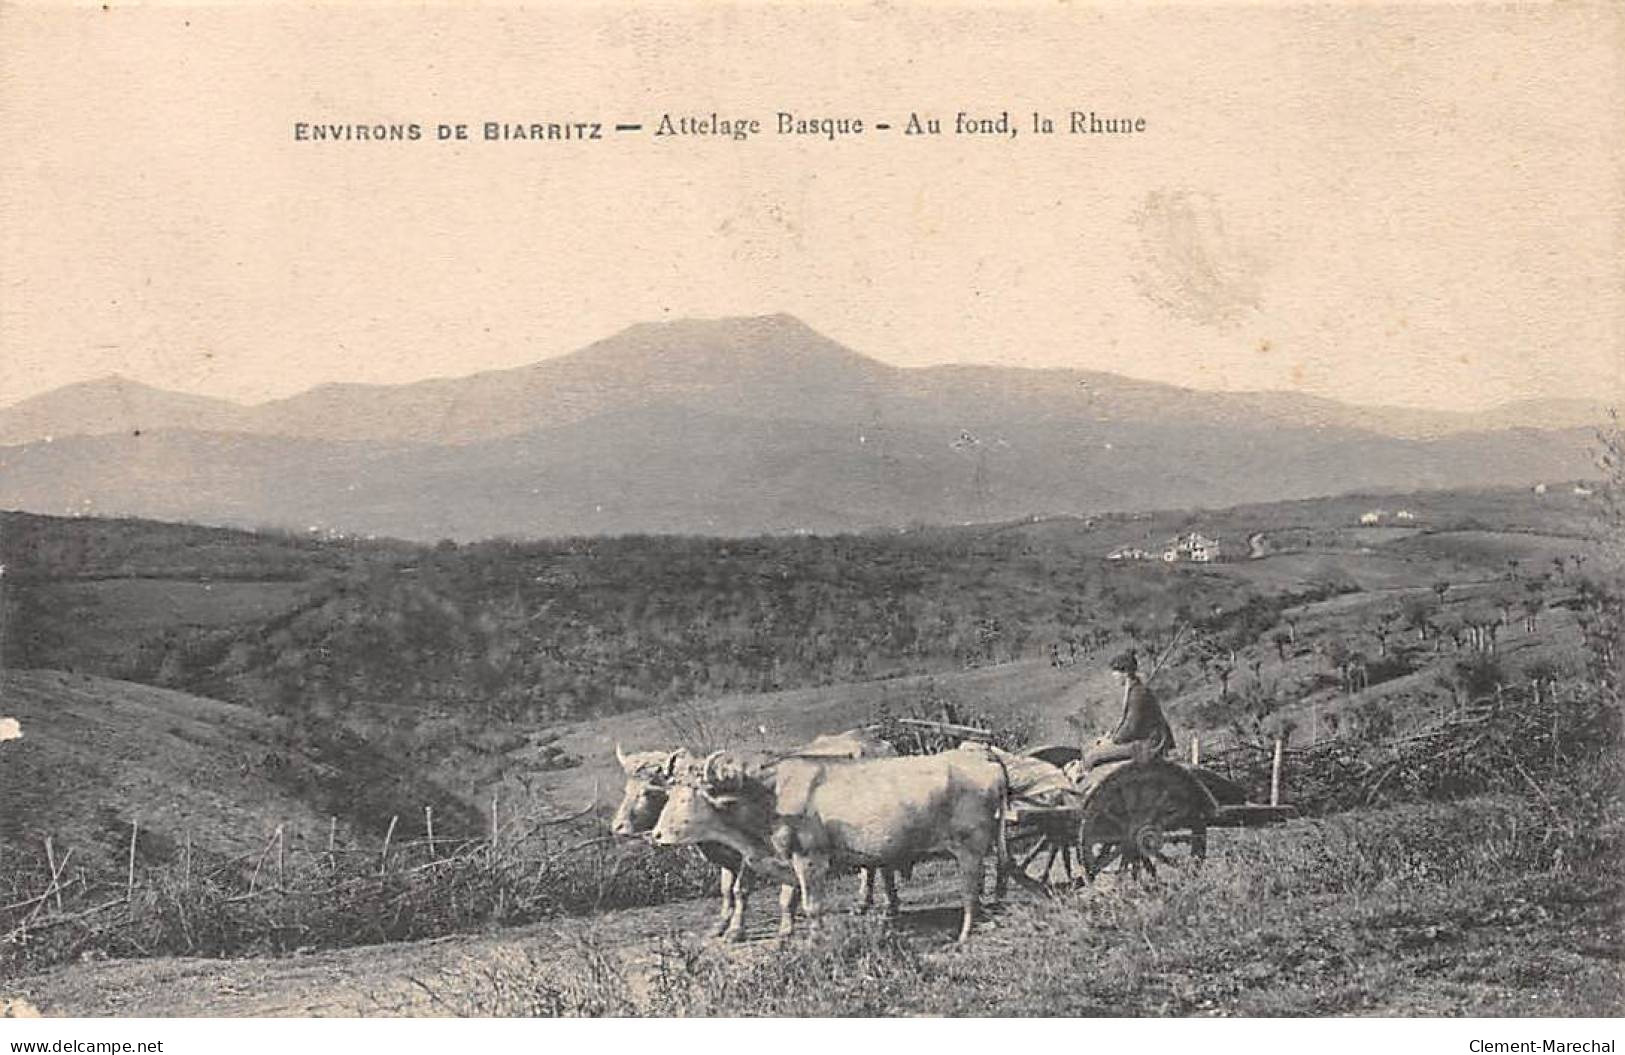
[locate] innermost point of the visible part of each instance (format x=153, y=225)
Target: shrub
x=232, y=909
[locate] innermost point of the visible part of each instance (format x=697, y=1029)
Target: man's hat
x=1127, y=662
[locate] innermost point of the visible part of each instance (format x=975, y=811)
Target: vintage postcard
x=805, y=510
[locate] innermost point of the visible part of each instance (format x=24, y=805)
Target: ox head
x=649, y=775
x=691, y=815
x=706, y=804
x=741, y=819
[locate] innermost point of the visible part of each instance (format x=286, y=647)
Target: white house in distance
x=1128, y=553
x=1405, y=515
x=1193, y=547
x=1373, y=517
x=1540, y=489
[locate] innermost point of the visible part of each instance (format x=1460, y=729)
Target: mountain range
x=738, y=426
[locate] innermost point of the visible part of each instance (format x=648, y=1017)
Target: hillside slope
x=97, y=754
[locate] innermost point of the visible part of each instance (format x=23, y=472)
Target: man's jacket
x=1143, y=720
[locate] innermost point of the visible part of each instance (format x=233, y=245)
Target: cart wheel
x=1035, y=854
x=1140, y=817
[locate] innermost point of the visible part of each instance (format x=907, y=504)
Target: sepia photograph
x=816, y=511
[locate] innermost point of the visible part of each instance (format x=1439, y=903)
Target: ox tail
x=1001, y=866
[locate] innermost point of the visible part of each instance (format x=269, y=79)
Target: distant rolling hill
x=97, y=754
x=662, y=470
x=738, y=426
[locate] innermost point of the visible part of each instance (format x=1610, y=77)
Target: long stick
x=967, y=732
x=1166, y=652
x=428, y=824
x=50, y=859
x=1275, y=773
x=129, y=882
x=383, y=858
x=52, y=889
x=259, y=863
x=332, y=836
x=281, y=859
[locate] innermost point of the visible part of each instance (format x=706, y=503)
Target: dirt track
x=405, y=979
x=369, y=981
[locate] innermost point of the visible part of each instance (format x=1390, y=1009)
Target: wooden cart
x=1136, y=814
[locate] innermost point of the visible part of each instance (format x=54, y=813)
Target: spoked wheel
x=1142, y=816
x=1035, y=853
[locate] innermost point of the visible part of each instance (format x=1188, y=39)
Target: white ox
x=650, y=775
x=807, y=814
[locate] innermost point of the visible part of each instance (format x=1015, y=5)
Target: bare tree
x=1384, y=627
x=1418, y=616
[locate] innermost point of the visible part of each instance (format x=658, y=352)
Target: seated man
x=1143, y=731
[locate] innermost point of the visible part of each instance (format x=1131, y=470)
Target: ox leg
x=866, y=890
x=736, y=920
x=970, y=875
x=810, y=871
x=787, y=909
x=728, y=888
x=889, y=878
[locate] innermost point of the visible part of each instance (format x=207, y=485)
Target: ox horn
x=710, y=760
x=670, y=768
x=620, y=756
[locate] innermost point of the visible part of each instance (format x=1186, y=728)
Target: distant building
x=1405, y=514
x=1257, y=546
x=1193, y=547
x=1540, y=489
x=1582, y=490
x=1128, y=553
x=1373, y=517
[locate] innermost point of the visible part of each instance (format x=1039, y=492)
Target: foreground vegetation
x=1467, y=908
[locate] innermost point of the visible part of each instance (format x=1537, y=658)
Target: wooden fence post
x=493, y=824
x=1275, y=772
x=129, y=881
x=186, y=876
x=1196, y=750
x=428, y=824
x=281, y=859
x=383, y=858
x=50, y=859
x=332, y=838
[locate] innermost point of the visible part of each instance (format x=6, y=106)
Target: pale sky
x=1404, y=205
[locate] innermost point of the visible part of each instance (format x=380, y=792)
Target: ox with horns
x=807, y=814
x=650, y=776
